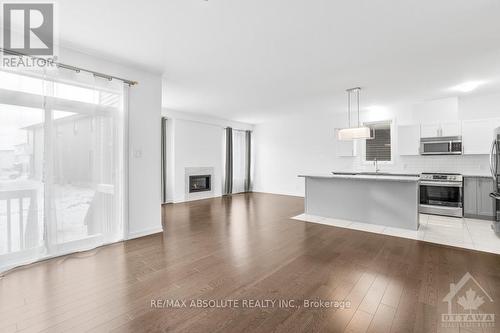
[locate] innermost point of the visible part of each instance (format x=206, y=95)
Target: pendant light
x=351, y=133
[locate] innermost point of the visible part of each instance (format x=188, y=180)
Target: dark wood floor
x=245, y=247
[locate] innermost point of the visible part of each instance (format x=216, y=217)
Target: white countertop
x=478, y=176
x=367, y=177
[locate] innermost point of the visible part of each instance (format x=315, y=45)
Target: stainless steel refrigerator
x=495, y=172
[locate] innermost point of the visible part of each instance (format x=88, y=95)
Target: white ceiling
x=250, y=60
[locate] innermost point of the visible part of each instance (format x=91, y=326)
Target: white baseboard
x=287, y=193
x=142, y=233
x=196, y=199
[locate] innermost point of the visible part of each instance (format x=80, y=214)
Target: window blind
x=380, y=146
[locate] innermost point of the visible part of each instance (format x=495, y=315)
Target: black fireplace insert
x=199, y=183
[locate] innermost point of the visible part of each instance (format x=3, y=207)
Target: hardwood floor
x=246, y=247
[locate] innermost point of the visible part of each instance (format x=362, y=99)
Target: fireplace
x=199, y=183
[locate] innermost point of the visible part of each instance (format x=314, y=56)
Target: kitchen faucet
x=375, y=162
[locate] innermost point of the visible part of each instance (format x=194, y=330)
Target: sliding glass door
x=61, y=164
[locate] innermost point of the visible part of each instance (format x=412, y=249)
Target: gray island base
x=382, y=200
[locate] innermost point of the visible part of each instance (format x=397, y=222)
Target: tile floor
x=460, y=232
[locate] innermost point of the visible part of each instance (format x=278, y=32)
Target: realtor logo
x=28, y=28
x=468, y=303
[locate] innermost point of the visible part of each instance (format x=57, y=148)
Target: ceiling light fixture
x=351, y=133
x=467, y=86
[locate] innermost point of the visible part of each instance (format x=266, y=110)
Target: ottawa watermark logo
x=28, y=34
x=469, y=305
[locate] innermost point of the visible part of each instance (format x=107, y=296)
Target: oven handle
x=441, y=184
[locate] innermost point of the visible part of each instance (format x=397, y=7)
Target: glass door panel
x=441, y=195
x=21, y=179
x=436, y=147
x=84, y=178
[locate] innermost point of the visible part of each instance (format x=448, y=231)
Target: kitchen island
x=382, y=199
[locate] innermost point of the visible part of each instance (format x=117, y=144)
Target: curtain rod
x=73, y=68
x=206, y=123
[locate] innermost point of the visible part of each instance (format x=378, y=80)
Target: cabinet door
x=477, y=135
x=451, y=129
x=429, y=130
x=485, y=204
x=470, y=196
x=408, y=139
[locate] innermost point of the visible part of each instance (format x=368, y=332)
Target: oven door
x=444, y=198
x=435, y=148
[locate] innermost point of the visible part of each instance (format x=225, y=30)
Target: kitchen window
x=379, y=147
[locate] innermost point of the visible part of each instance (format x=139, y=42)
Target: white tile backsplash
x=463, y=164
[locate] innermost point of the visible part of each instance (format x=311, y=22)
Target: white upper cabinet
x=477, y=135
x=437, y=112
x=408, y=139
x=451, y=129
x=440, y=129
x=429, y=130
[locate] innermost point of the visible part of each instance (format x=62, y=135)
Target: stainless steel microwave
x=442, y=145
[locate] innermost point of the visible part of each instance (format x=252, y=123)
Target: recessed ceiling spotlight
x=467, y=86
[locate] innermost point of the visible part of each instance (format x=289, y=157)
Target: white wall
x=144, y=209
x=440, y=110
x=196, y=145
x=289, y=146
x=477, y=107
x=195, y=141
x=304, y=143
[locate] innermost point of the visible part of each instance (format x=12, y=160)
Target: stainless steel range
x=442, y=194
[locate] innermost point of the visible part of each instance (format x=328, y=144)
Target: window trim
x=363, y=142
